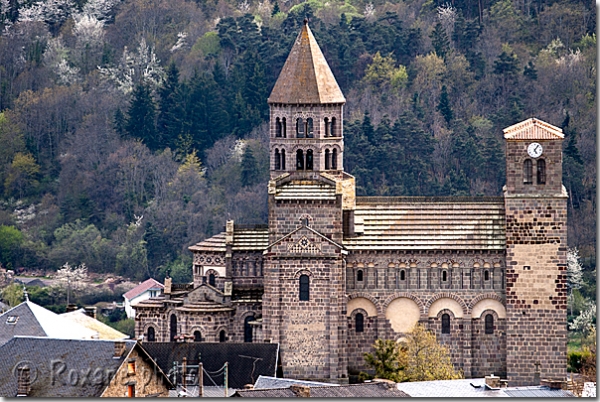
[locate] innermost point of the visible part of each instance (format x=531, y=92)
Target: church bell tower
x=309, y=196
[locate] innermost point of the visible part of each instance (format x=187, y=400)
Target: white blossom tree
x=100, y=9
x=48, y=11
x=574, y=272
x=56, y=58
x=584, y=322
x=73, y=276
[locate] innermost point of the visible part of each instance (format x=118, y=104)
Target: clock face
x=534, y=150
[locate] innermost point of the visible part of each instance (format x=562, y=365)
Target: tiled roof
x=142, y=287
x=266, y=382
x=104, y=331
x=367, y=390
x=533, y=129
x=412, y=223
x=306, y=76
x=34, y=320
x=244, y=239
x=46, y=357
x=246, y=360
x=302, y=190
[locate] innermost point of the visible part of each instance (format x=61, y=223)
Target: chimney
x=23, y=381
x=537, y=374
x=301, y=391
x=492, y=381
x=248, y=386
x=167, y=289
x=119, y=349
x=554, y=383
x=71, y=307
x=91, y=311
x=229, y=227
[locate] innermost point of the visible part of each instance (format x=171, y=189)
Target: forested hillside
x=131, y=129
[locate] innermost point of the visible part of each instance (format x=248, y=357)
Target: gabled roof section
x=104, y=331
x=255, y=238
x=310, y=230
x=142, y=287
x=533, y=129
x=306, y=77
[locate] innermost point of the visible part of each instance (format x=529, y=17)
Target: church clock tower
x=310, y=195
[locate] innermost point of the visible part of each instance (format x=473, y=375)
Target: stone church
x=332, y=272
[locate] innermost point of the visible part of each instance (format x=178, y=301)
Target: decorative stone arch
x=306, y=218
x=410, y=262
x=403, y=313
x=452, y=263
x=304, y=147
x=247, y=314
x=153, y=325
x=483, y=296
x=303, y=271
x=304, y=114
x=488, y=305
x=278, y=145
x=477, y=260
x=520, y=159
x=354, y=303
x=199, y=328
x=445, y=295
x=211, y=271
x=367, y=296
x=405, y=295
x=218, y=332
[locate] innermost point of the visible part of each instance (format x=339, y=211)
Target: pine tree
x=141, y=117
x=250, y=173
x=171, y=108
x=119, y=122
x=275, y=9
x=444, y=106
x=439, y=40
x=530, y=71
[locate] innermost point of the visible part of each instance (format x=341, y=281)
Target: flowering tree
x=73, y=276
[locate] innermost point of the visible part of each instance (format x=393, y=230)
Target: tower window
x=300, y=127
x=359, y=322
x=334, y=159
x=326, y=127
x=327, y=158
x=277, y=160
x=359, y=275
x=309, y=128
x=304, y=288
x=283, y=159
x=299, y=159
x=222, y=336
x=489, y=324
x=445, y=323
x=151, y=335
x=211, y=279
x=284, y=128
x=541, y=171
x=248, y=329
x=527, y=171
x=309, y=159
x=444, y=276
x=278, y=128
x=197, y=336
x=402, y=275
x=486, y=275
x=332, y=131
x=173, y=328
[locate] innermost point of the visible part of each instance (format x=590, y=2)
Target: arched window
x=304, y=288
x=300, y=127
x=334, y=159
x=486, y=275
x=527, y=171
x=359, y=321
x=309, y=128
x=284, y=128
x=211, y=279
x=327, y=158
x=309, y=159
x=173, y=328
x=277, y=160
x=278, y=127
x=332, y=131
x=222, y=336
x=445, y=323
x=197, y=336
x=248, y=329
x=489, y=324
x=541, y=171
x=151, y=335
x=283, y=159
x=402, y=275
x=359, y=275
x=299, y=159
x=326, y=127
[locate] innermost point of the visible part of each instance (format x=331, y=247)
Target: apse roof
x=306, y=77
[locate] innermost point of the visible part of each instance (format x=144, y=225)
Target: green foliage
x=141, y=122
x=11, y=240
x=439, y=40
x=13, y=294
x=208, y=44
x=385, y=360
x=444, y=106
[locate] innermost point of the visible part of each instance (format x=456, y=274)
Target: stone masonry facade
x=331, y=272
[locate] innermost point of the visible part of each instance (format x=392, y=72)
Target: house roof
x=434, y=223
x=266, y=382
x=533, y=129
x=306, y=77
x=252, y=238
x=366, y=390
x=142, y=287
x=30, y=319
x=52, y=360
x=246, y=360
x=475, y=388
x=104, y=331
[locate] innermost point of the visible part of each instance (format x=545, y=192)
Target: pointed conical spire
x=306, y=77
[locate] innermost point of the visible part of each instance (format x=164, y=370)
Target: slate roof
x=55, y=359
x=303, y=190
x=34, y=320
x=142, y=287
x=306, y=77
x=365, y=390
x=533, y=129
x=254, y=238
x=266, y=382
x=104, y=331
x=430, y=223
x=246, y=360
x=464, y=389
